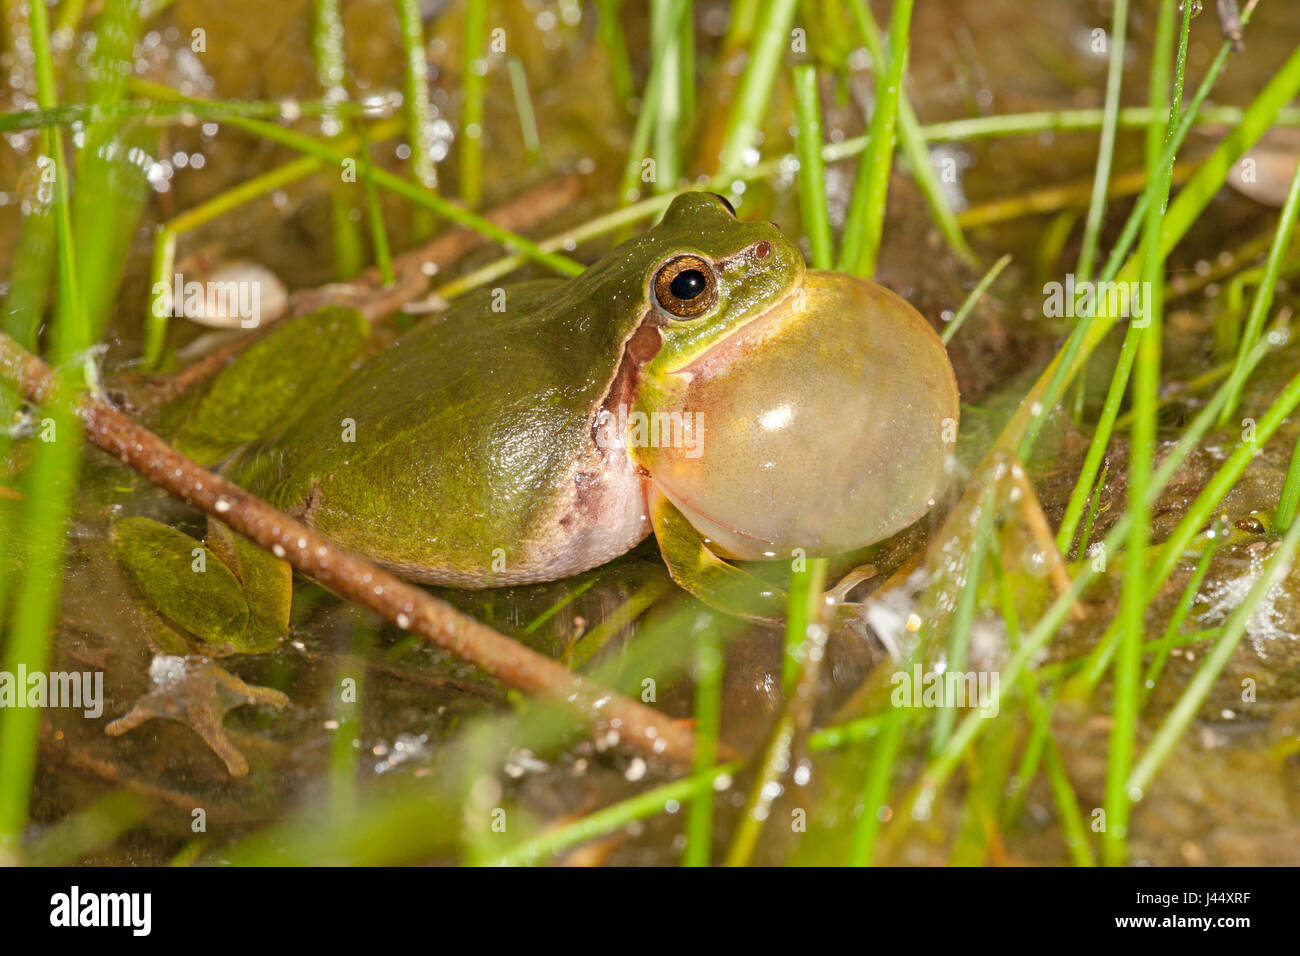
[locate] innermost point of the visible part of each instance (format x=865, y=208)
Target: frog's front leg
x=698, y=570
x=230, y=595
x=728, y=588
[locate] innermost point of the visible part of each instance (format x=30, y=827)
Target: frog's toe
x=840, y=593
x=197, y=692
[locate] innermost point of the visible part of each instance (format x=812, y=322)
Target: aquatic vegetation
x=1118, y=504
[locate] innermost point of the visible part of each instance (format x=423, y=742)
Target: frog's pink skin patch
x=823, y=420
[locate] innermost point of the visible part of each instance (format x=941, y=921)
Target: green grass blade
x=473, y=87
x=976, y=294
x=1181, y=610
x=771, y=38
x=416, y=107
x=1106, y=146
x=708, y=711
x=609, y=28
x=331, y=71
x=865, y=221
x=50, y=481
x=1290, y=497
x=915, y=149
x=665, y=50
x=532, y=140
x=1263, y=300
x=812, y=171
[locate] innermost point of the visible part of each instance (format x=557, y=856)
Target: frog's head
x=706, y=274
x=781, y=409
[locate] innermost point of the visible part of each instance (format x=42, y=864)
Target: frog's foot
x=839, y=594
x=229, y=593
x=714, y=581
x=850, y=616
x=197, y=692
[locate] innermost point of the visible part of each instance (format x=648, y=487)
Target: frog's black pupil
x=688, y=284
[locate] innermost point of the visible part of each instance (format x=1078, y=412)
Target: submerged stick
x=353, y=577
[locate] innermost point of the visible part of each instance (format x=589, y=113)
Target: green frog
x=697, y=382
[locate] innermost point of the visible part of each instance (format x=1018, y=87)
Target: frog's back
x=464, y=454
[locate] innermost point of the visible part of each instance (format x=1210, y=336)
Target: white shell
x=234, y=295
x=1265, y=173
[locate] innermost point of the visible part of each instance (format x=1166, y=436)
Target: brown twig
x=352, y=576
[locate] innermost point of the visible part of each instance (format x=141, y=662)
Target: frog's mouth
x=816, y=287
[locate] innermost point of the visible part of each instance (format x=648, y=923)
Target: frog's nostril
x=776, y=226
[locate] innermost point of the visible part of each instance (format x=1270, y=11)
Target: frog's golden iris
x=685, y=287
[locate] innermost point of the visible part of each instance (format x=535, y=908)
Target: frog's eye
x=686, y=287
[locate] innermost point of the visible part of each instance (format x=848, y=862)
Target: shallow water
x=1226, y=797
